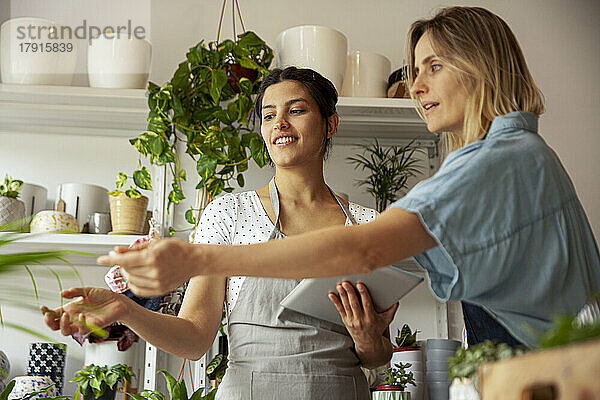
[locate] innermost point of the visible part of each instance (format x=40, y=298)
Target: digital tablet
x=386, y=286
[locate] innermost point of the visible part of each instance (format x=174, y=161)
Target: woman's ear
x=332, y=124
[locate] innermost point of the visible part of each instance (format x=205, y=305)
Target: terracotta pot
x=235, y=72
x=11, y=210
x=127, y=215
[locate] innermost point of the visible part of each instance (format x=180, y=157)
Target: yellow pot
x=127, y=215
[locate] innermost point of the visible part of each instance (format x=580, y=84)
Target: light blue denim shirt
x=512, y=235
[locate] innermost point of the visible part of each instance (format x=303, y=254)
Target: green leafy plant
x=207, y=106
x=390, y=168
x=141, y=180
x=177, y=391
x=405, y=337
x=215, y=370
x=464, y=363
x=11, y=262
x=398, y=376
x=99, y=379
x=10, y=187
x=567, y=330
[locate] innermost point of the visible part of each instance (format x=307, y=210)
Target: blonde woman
x=499, y=226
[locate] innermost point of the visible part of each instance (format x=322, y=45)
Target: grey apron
x=276, y=353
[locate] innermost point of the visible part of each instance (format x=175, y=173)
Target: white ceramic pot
x=119, y=62
x=107, y=353
x=11, y=210
x=366, y=74
x=82, y=199
x=463, y=389
x=317, y=47
x=29, y=384
x=36, y=56
x=53, y=221
x=34, y=197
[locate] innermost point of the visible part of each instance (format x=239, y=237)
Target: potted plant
x=462, y=367
x=128, y=208
x=100, y=382
x=395, y=379
x=11, y=208
x=177, y=391
x=407, y=348
x=207, y=107
x=43, y=393
x=390, y=168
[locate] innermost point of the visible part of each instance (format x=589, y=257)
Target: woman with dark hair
x=499, y=226
x=270, y=348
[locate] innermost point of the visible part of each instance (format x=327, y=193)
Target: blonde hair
x=480, y=46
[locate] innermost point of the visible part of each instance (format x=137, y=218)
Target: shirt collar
x=512, y=120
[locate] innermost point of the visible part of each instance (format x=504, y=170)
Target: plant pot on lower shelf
x=127, y=215
x=11, y=210
x=390, y=392
x=109, y=394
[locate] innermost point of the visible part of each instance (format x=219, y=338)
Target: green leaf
x=121, y=179
x=247, y=63
x=182, y=174
x=181, y=76
x=115, y=192
x=217, y=81
x=258, y=152
x=142, y=178
x=7, y=390
x=189, y=216
x=156, y=144
x=172, y=387
x=206, y=167
x=215, y=187
x=133, y=193
x=245, y=86
x=176, y=194
x=240, y=180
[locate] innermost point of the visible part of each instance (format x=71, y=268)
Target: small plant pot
x=127, y=215
x=392, y=392
x=109, y=394
x=11, y=210
x=235, y=72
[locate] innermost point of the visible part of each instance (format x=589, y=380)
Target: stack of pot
x=438, y=381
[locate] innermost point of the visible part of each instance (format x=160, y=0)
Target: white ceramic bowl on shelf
x=53, y=221
x=31, y=57
x=366, y=74
x=119, y=62
x=316, y=47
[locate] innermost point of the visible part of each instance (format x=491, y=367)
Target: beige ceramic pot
x=127, y=215
x=11, y=210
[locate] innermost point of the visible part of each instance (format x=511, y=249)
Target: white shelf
x=122, y=112
x=88, y=243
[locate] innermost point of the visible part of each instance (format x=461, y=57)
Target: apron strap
x=274, y=195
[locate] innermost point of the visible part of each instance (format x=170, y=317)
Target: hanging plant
x=207, y=105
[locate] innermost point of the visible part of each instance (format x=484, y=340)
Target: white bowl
x=316, y=47
x=366, y=74
x=19, y=62
x=119, y=62
x=53, y=221
x=82, y=199
x=34, y=197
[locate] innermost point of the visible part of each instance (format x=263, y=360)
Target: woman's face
x=438, y=89
x=292, y=125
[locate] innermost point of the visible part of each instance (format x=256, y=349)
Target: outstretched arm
x=165, y=264
x=188, y=335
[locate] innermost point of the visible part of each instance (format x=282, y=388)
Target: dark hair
x=320, y=88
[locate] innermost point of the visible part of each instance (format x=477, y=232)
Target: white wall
x=559, y=38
